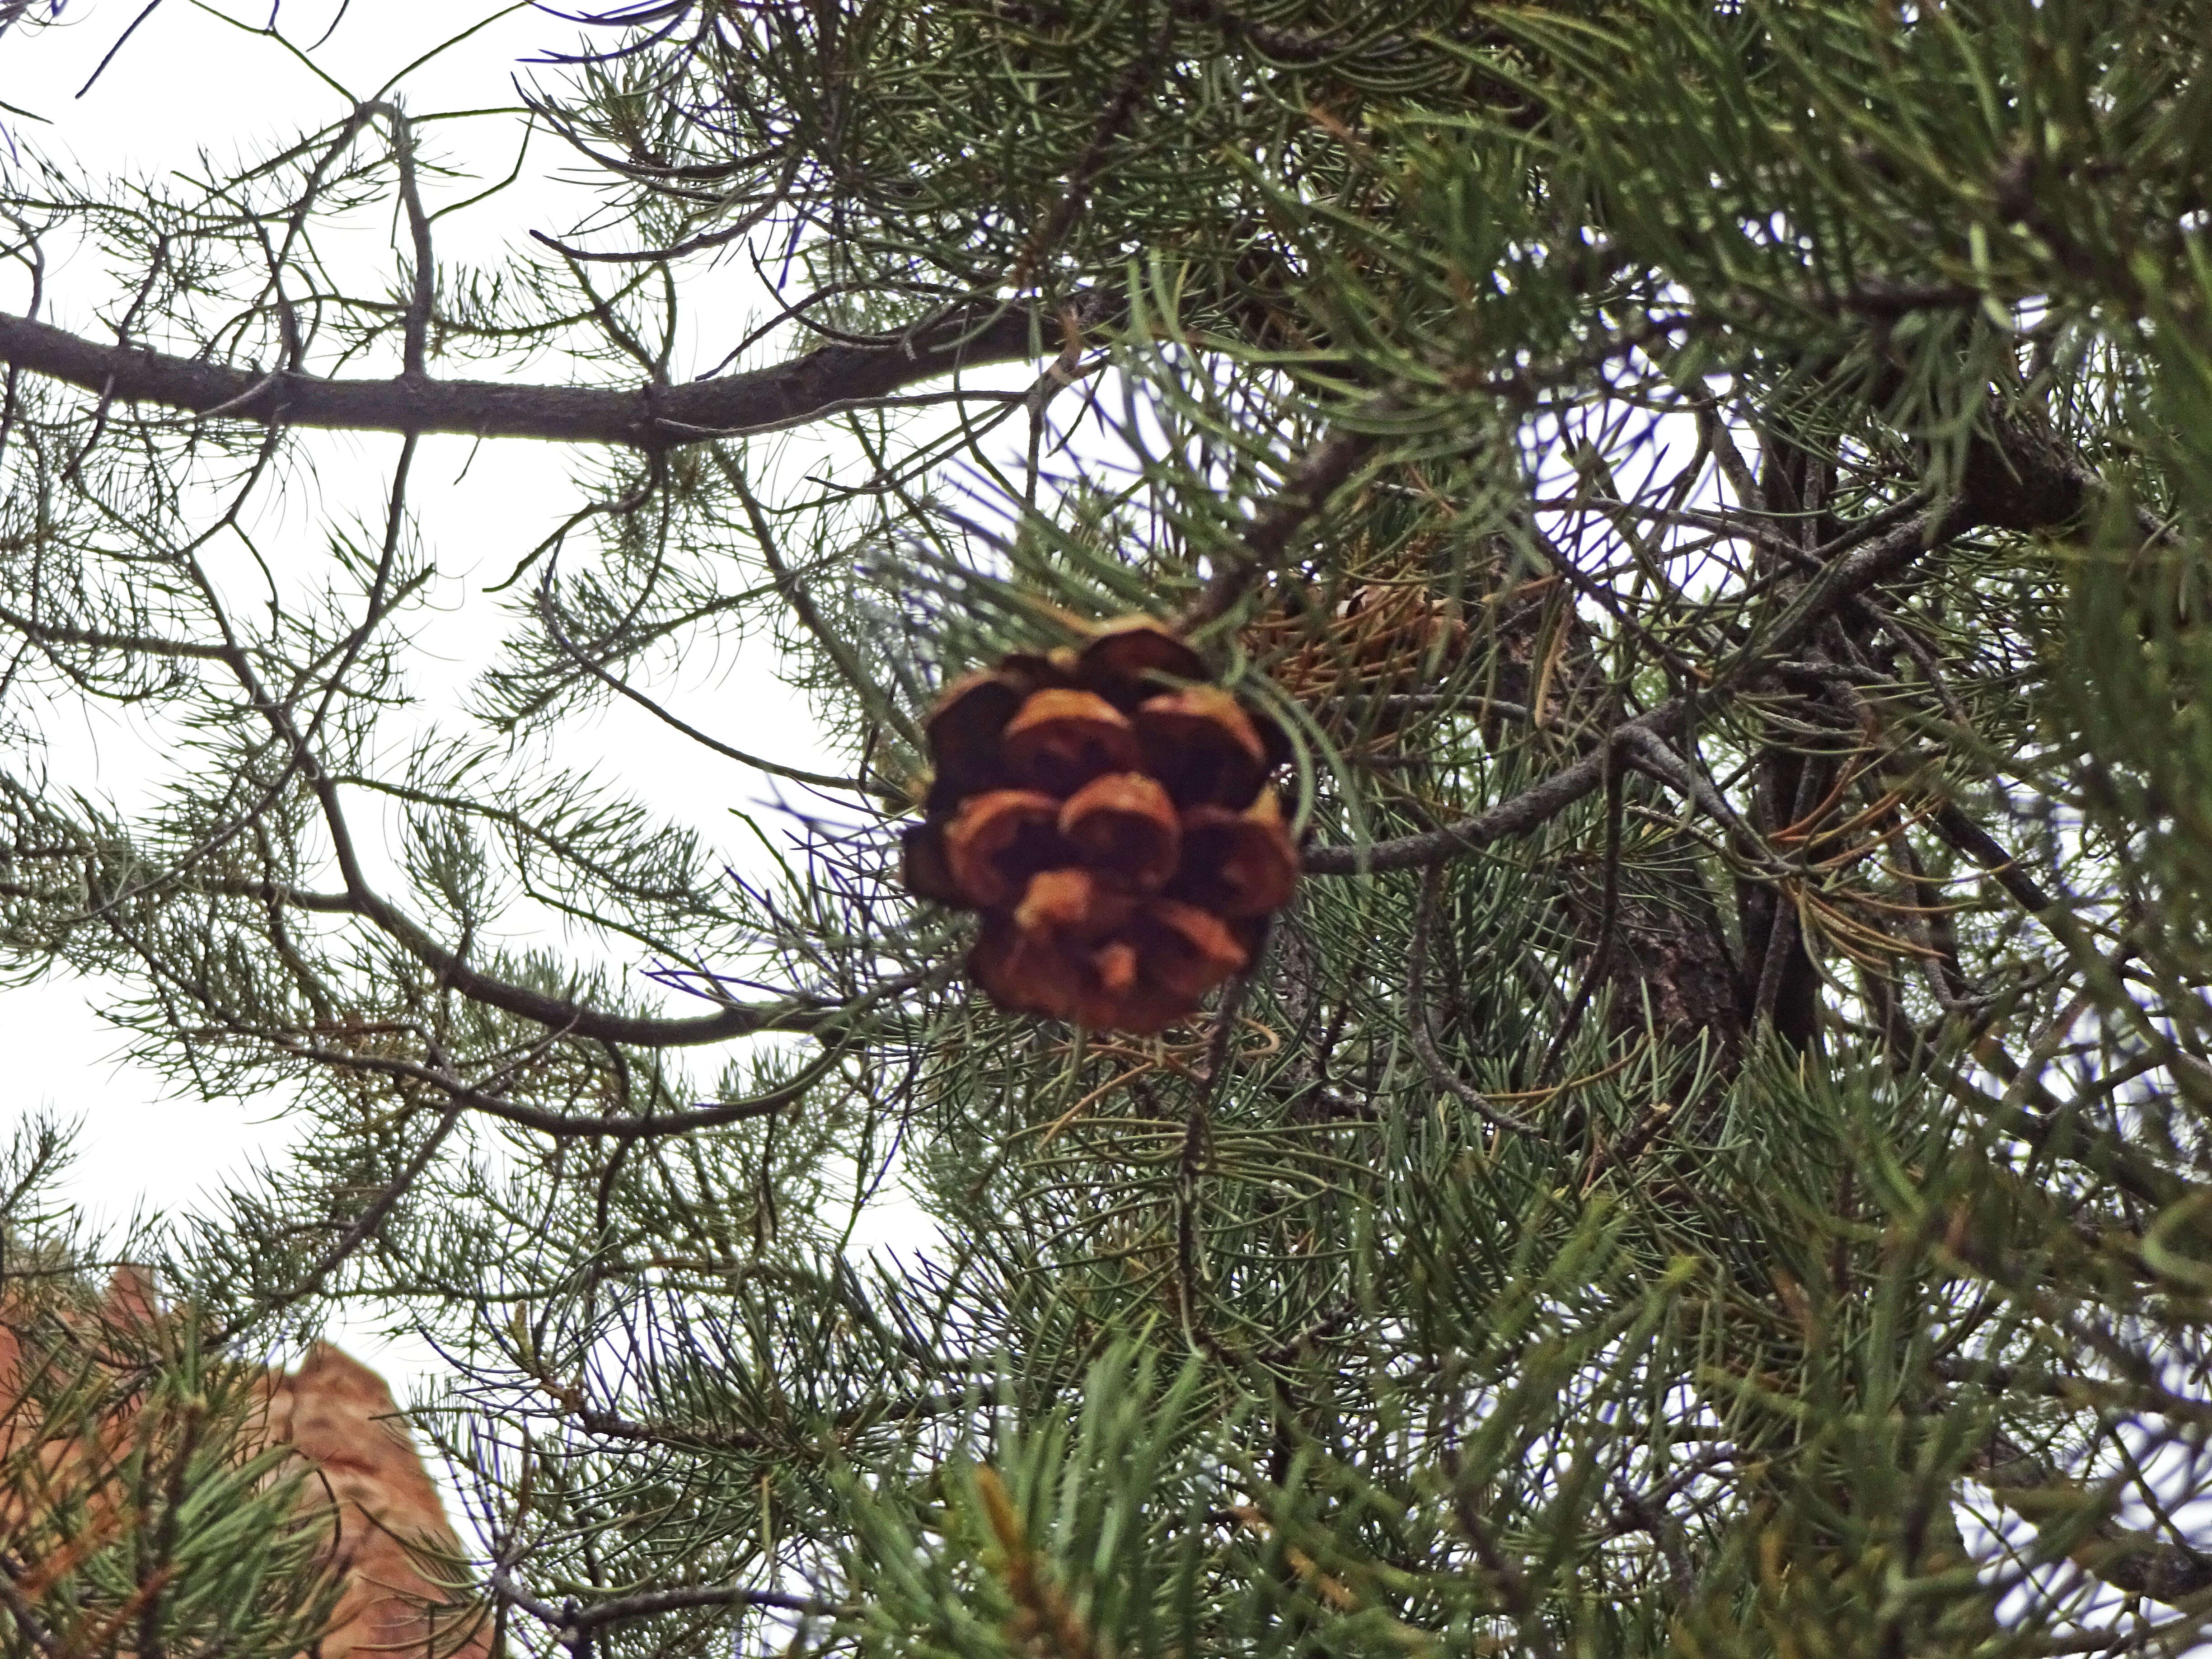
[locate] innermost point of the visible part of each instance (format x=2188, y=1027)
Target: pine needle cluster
x=1714, y=1156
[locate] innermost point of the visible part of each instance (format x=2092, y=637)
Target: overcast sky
x=186, y=83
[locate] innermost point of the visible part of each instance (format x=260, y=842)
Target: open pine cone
x=1386, y=636
x=1109, y=814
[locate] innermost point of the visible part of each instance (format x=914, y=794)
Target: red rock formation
x=339, y=1415
x=386, y=1523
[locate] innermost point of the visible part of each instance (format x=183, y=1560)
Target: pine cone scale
x=1108, y=813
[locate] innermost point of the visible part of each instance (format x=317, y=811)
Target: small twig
x=1505, y=1572
x=1630, y=1147
x=419, y=306
x=1190, y=1163
x=477, y=1099
x=1783, y=932
x=1609, y=905
x=1417, y=1026
x=1304, y=494
x=571, y=1626
x=121, y=41
x=802, y=606
x=548, y=613
x=25, y=1615
x=1978, y=844
x=1128, y=93
x=1647, y=1513
x=365, y=1225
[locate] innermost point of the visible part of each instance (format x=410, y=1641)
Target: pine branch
x=647, y=417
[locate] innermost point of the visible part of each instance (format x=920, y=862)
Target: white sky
x=188, y=81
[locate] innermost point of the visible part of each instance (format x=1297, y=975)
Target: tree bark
x=649, y=418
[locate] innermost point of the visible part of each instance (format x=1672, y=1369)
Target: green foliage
x=139, y=1512
x=1714, y=1159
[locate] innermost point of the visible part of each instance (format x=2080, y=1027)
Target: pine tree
x=1712, y=1155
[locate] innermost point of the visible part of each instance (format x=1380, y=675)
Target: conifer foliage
x=204, y=1508
x=1505, y=889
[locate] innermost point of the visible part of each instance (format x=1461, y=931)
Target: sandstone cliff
x=378, y=1528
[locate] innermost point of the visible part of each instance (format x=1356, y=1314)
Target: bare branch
x=649, y=418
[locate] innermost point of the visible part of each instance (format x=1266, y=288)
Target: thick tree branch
x=492, y=1103
x=829, y=377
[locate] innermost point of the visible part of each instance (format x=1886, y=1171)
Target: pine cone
x=1385, y=637
x=1108, y=812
